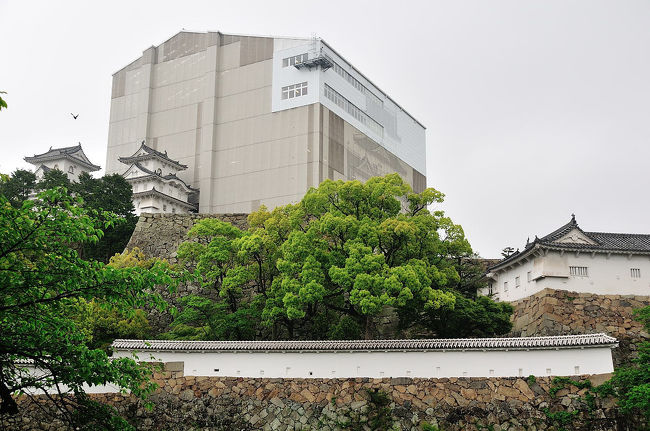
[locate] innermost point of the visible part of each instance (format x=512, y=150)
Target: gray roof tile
x=363, y=345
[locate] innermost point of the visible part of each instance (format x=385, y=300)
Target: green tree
x=479, y=317
x=41, y=280
x=103, y=324
x=52, y=179
x=328, y=266
x=109, y=193
x=631, y=384
x=18, y=186
x=3, y=104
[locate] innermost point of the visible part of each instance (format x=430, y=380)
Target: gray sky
x=533, y=109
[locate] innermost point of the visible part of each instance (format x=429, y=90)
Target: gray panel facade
x=205, y=98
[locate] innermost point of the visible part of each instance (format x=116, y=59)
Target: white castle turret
x=70, y=160
x=156, y=188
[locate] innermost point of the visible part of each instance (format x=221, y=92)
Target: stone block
x=174, y=366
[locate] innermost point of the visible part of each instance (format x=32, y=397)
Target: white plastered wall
x=607, y=274
x=431, y=364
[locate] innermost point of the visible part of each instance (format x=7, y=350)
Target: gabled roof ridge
x=563, y=230
x=65, y=150
x=153, y=152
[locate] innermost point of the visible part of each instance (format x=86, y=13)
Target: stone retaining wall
x=560, y=312
x=217, y=403
x=159, y=235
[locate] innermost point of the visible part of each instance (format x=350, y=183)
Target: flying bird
x=74, y=116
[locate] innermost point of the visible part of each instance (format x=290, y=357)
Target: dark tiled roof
x=151, y=151
x=621, y=241
x=364, y=345
x=164, y=177
x=153, y=191
x=63, y=152
x=603, y=242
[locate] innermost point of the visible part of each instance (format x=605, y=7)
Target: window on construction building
x=296, y=59
x=579, y=271
x=635, y=272
x=529, y=276
x=71, y=169
x=295, y=90
x=517, y=282
x=505, y=286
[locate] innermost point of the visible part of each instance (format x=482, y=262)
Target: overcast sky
x=534, y=109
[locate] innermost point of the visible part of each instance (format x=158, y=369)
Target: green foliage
x=481, y=317
x=561, y=382
x=206, y=319
x=18, y=187
x=110, y=193
x=52, y=179
x=631, y=385
x=102, y=323
x=426, y=426
x=376, y=415
x=531, y=379
x=561, y=418
x=42, y=279
x=328, y=266
x=3, y=104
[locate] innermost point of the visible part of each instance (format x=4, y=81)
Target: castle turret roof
x=74, y=153
x=145, y=152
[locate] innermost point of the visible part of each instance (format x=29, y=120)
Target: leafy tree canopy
x=18, y=186
x=631, y=384
x=328, y=266
x=110, y=193
x=42, y=282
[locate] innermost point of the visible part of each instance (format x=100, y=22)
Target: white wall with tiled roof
x=606, y=274
x=556, y=356
x=569, y=258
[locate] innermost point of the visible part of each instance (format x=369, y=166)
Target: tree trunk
x=8, y=405
x=369, y=328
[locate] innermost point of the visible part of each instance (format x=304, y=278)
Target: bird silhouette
x=74, y=116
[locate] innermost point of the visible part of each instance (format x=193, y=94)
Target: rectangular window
x=490, y=289
x=529, y=276
x=517, y=282
x=505, y=286
x=635, y=272
x=356, y=84
x=296, y=59
x=295, y=90
x=351, y=109
x=578, y=271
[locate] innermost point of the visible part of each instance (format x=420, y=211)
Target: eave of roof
x=550, y=342
x=168, y=177
x=605, y=242
x=62, y=153
x=153, y=191
x=151, y=153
